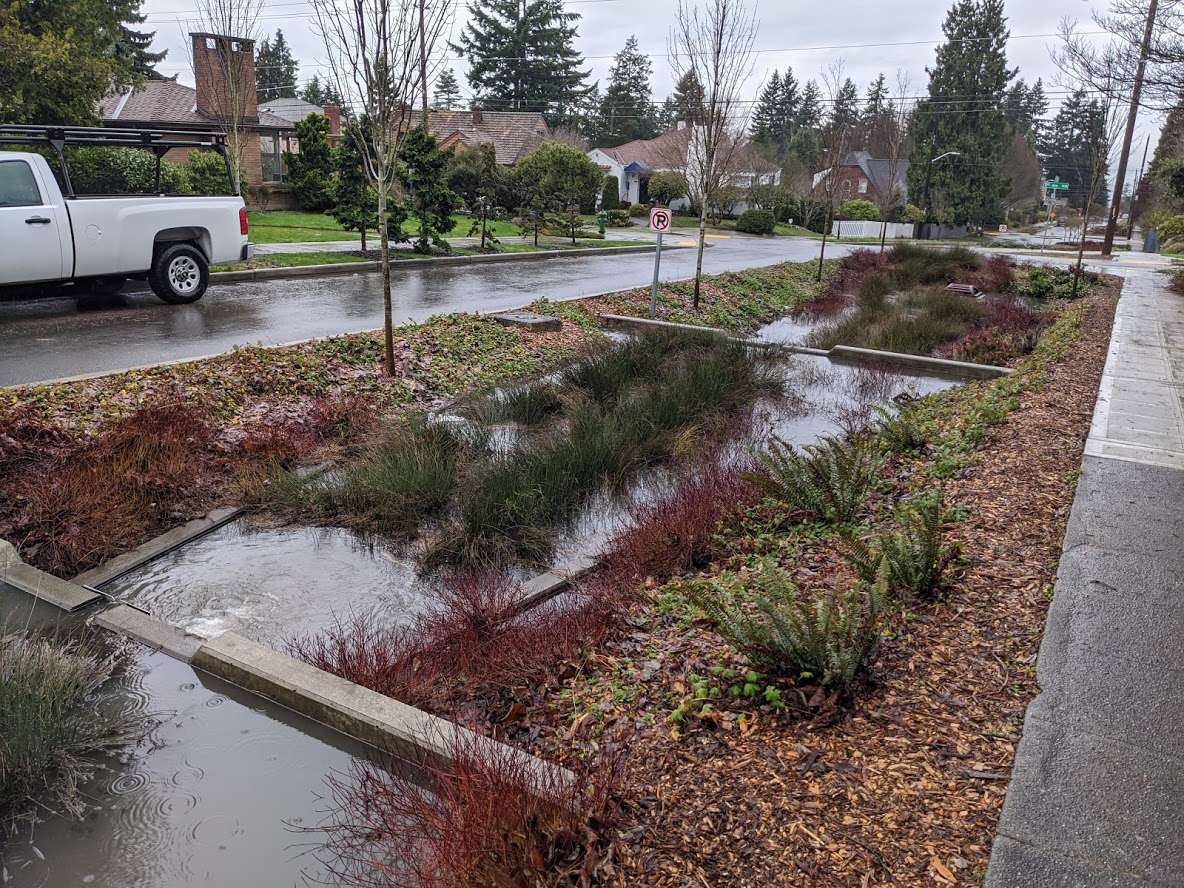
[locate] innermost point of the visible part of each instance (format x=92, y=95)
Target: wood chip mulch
x=904, y=784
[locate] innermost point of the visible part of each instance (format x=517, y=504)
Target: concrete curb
x=150, y=630
x=154, y=548
x=846, y=354
x=60, y=593
x=407, y=733
x=366, y=266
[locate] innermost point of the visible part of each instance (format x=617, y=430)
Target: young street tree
x=888, y=131
x=275, y=69
x=836, y=143
x=711, y=42
x=373, y=51
x=625, y=113
x=964, y=114
x=446, y=96
x=522, y=57
x=230, y=21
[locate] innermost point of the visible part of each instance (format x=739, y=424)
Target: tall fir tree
x=317, y=93
x=275, y=69
x=1066, y=146
x=1168, y=158
x=688, y=99
x=809, y=114
x=845, y=111
x=135, y=47
x=522, y=57
x=625, y=112
x=766, y=116
x=964, y=113
x=667, y=114
x=878, y=101
x=446, y=96
x=1024, y=107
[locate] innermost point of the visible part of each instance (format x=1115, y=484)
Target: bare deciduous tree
x=836, y=141
x=1106, y=70
x=230, y=21
x=714, y=45
x=894, y=136
x=373, y=53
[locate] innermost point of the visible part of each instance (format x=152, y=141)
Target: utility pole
x=1132, y=117
x=1130, y=221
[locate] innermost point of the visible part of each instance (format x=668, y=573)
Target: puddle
x=206, y=798
x=269, y=584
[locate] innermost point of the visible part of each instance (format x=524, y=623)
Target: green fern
x=828, y=637
x=829, y=480
x=915, y=558
x=899, y=430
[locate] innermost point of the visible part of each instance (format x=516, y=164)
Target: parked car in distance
x=51, y=234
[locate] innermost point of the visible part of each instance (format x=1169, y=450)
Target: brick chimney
x=334, y=114
x=477, y=116
x=224, y=70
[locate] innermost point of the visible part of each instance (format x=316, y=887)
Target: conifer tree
x=767, y=114
x=688, y=99
x=1066, y=147
x=275, y=69
x=1024, y=107
x=446, y=96
x=625, y=112
x=964, y=113
x=522, y=57
x=317, y=93
x=424, y=175
x=809, y=114
x=845, y=111
x=878, y=101
x=135, y=47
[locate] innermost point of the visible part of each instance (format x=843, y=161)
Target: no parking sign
x=660, y=220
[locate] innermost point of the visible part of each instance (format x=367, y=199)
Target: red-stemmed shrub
x=1009, y=331
x=491, y=816
x=854, y=268
x=996, y=276
x=26, y=436
x=478, y=636
x=674, y=533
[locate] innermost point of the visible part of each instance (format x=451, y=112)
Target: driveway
x=56, y=337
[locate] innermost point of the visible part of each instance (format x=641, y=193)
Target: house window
x=863, y=186
x=269, y=158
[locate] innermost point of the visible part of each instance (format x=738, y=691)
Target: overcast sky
x=870, y=36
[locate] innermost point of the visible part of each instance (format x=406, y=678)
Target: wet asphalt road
x=56, y=337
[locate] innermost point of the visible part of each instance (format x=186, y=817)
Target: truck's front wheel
x=179, y=274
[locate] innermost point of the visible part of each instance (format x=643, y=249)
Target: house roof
x=165, y=101
x=513, y=134
x=291, y=109
x=879, y=172
x=660, y=153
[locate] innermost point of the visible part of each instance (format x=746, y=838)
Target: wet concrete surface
x=59, y=336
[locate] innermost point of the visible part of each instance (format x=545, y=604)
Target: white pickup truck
x=49, y=234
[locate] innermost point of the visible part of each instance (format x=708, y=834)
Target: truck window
x=18, y=187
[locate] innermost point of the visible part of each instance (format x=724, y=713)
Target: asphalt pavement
x=57, y=337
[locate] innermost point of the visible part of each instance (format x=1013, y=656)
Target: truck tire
x=179, y=274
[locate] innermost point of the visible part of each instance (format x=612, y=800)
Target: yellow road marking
x=718, y=236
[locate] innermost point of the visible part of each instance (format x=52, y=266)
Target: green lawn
x=291, y=226
x=288, y=260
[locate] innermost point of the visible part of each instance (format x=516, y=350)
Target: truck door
x=31, y=228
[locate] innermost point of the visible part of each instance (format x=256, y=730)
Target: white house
x=635, y=162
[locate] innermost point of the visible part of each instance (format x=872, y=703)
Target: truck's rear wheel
x=179, y=274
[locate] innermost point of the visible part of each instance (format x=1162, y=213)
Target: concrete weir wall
x=407, y=733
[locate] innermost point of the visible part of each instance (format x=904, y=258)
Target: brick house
x=514, y=135
x=219, y=65
x=863, y=177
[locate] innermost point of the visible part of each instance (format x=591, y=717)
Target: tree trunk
x=363, y=238
x=1081, y=251
x=699, y=257
x=883, y=235
x=388, y=331
x=822, y=252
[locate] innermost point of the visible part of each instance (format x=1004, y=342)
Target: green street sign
x=1057, y=186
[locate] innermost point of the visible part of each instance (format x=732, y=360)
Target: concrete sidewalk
x=1097, y=792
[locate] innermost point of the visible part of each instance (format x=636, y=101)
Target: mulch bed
x=901, y=785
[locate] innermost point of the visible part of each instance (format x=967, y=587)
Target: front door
x=30, y=227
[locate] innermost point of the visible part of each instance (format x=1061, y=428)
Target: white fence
x=841, y=229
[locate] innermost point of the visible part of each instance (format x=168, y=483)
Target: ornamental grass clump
x=827, y=481
x=827, y=636
x=914, y=558
x=50, y=723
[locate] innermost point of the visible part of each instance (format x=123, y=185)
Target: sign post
x=659, y=222
x=1049, y=188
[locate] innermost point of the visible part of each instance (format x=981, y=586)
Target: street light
x=929, y=178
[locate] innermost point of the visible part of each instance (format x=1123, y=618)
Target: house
x=216, y=100
x=513, y=134
x=863, y=177
x=635, y=162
